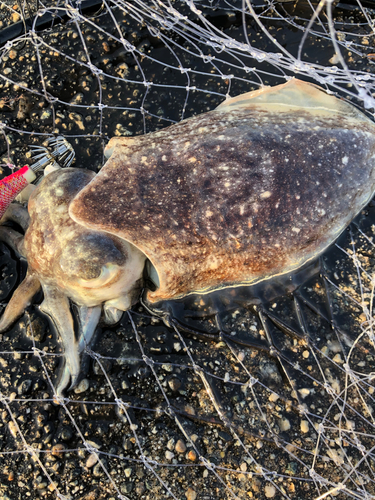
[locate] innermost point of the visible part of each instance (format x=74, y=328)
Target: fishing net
x=282, y=404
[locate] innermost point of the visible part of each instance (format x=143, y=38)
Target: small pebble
x=284, y=424
x=170, y=444
x=24, y=387
x=174, y=383
x=304, y=392
x=140, y=488
x=190, y=494
x=192, y=455
x=338, y=359
x=169, y=455
x=91, y=461
x=66, y=433
x=82, y=386
x=273, y=397
x=57, y=449
x=97, y=470
x=13, y=428
x=46, y=114
x=180, y=446
x=270, y=490
x=77, y=98
x=304, y=426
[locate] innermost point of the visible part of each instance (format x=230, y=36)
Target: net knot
x=31, y=451
x=94, y=69
x=315, y=476
x=122, y=403
x=38, y=352
x=90, y=449
x=149, y=362
x=148, y=463
x=8, y=45
x=36, y=40
x=51, y=98
x=72, y=12
x=198, y=369
x=302, y=410
x=92, y=353
x=329, y=389
x=127, y=45
x=58, y=399
x=209, y=465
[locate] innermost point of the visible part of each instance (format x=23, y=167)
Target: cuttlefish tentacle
x=21, y=299
x=88, y=318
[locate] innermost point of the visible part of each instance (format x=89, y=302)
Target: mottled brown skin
x=234, y=196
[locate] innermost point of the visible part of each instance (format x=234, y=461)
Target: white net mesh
x=281, y=405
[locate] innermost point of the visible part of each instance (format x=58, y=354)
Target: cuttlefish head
x=90, y=268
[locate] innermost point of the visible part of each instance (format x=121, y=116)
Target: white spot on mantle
x=265, y=194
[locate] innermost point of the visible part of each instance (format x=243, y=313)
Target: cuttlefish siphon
x=254, y=189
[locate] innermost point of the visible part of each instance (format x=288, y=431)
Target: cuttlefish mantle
x=253, y=189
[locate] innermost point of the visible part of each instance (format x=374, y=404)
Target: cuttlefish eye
x=92, y=259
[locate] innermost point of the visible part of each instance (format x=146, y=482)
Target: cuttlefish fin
x=21, y=299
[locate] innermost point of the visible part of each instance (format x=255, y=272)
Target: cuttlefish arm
x=88, y=318
x=21, y=299
x=57, y=306
x=16, y=213
x=13, y=239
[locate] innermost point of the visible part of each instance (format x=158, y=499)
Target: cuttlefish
x=254, y=189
